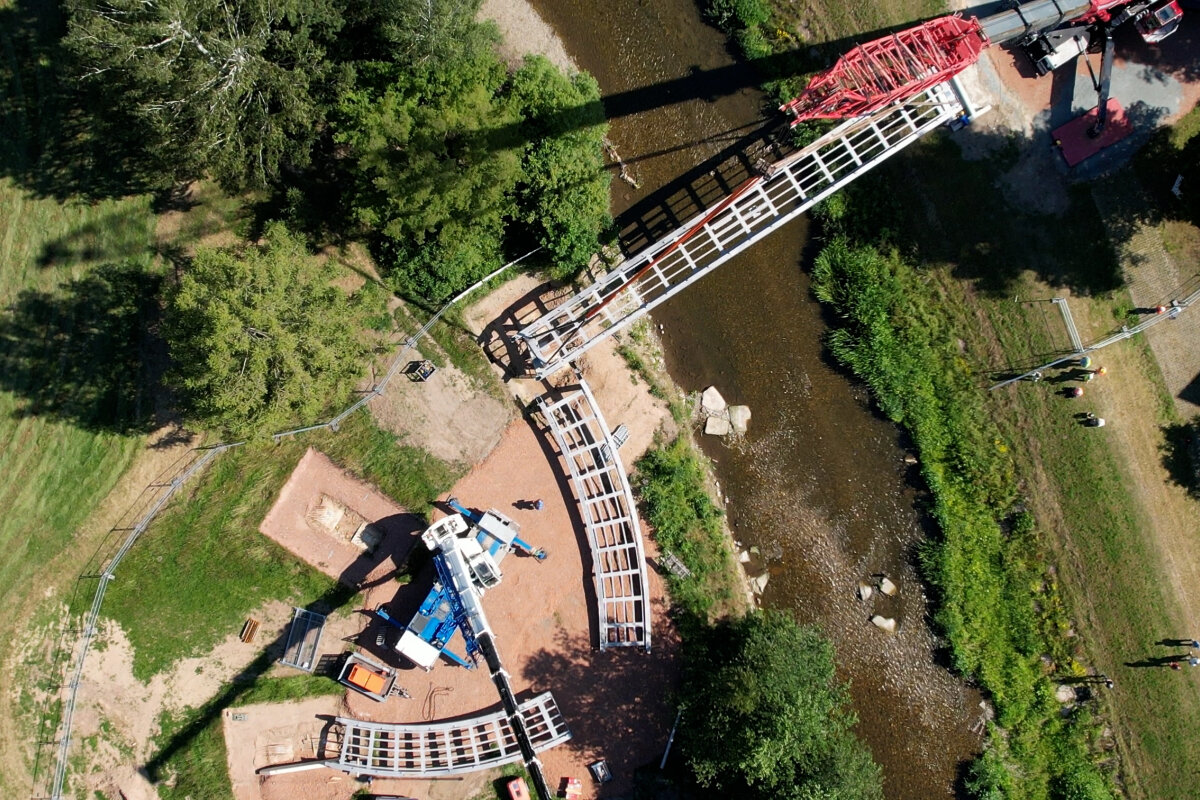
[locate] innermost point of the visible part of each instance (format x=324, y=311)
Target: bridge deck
x=754, y=211
x=446, y=748
x=609, y=515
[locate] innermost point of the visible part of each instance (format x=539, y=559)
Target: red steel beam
x=893, y=68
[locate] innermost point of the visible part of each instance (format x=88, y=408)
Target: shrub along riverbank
x=762, y=713
x=996, y=604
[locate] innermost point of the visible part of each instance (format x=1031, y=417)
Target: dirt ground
x=544, y=622
x=318, y=484
x=117, y=716
x=447, y=415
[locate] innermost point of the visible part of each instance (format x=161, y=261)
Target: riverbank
x=820, y=484
x=1106, y=521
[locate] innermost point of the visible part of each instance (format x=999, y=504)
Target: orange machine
x=365, y=679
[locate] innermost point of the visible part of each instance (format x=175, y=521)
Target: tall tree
x=437, y=163
x=565, y=193
x=764, y=716
x=259, y=338
x=225, y=88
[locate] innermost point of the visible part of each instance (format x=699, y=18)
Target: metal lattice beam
x=609, y=515
x=891, y=69
x=446, y=748
x=753, y=212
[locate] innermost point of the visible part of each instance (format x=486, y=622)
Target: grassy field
x=203, y=566
x=63, y=365
x=76, y=279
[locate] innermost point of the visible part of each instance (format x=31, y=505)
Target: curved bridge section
x=609, y=514
x=446, y=748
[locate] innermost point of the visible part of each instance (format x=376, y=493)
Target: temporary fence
x=88, y=631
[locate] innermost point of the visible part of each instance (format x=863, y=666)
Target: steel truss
x=609, y=515
x=754, y=211
x=445, y=748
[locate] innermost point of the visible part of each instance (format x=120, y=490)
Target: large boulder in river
x=712, y=402
x=717, y=426
x=739, y=418
x=884, y=623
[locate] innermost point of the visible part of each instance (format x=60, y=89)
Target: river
x=820, y=485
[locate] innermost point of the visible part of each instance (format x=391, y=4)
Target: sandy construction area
x=320, y=508
x=544, y=622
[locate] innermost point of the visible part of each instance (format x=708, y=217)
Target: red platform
x=1073, y=137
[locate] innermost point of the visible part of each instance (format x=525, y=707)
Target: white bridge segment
x=446, y=748
x=792, y=186
x=609, y=515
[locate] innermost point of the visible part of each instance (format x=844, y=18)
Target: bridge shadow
x=562, y=479
x=499, y=339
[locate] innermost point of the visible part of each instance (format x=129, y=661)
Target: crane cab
x=1159, y=21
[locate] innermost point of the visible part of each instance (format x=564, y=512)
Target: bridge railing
x=609, y=514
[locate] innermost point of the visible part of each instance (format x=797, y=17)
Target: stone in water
x=739, y=418
x=887, y=587
x=712, y=402
x=716, y=426
x=884, y=623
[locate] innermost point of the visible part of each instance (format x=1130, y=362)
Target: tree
x=764, y=717
x=258, y=338
x=228, y=89
x=565, y=194
x=433, y=179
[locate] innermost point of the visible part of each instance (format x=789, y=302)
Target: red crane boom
x=881, y=72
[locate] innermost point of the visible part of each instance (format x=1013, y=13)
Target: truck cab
x=1159, y=21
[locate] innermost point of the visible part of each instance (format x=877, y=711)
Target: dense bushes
x=391, y=120
x=670, y=482
x=259, y=337
x=764, y=716
x=448, y=154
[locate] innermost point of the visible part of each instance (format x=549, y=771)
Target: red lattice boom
x=893, y=68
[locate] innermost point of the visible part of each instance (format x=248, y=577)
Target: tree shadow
x=1181, y=455
x=123, y=233
x=88, y=353
x=60, y=138
x=616, y=700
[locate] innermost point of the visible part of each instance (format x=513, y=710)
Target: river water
x=819, y=485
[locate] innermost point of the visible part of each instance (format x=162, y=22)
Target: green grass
x=203, y=566
x=1131, y=611
x=58, y=464
x=669, y=481
x=287, y=688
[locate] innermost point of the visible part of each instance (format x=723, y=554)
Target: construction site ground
x=543, y=613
